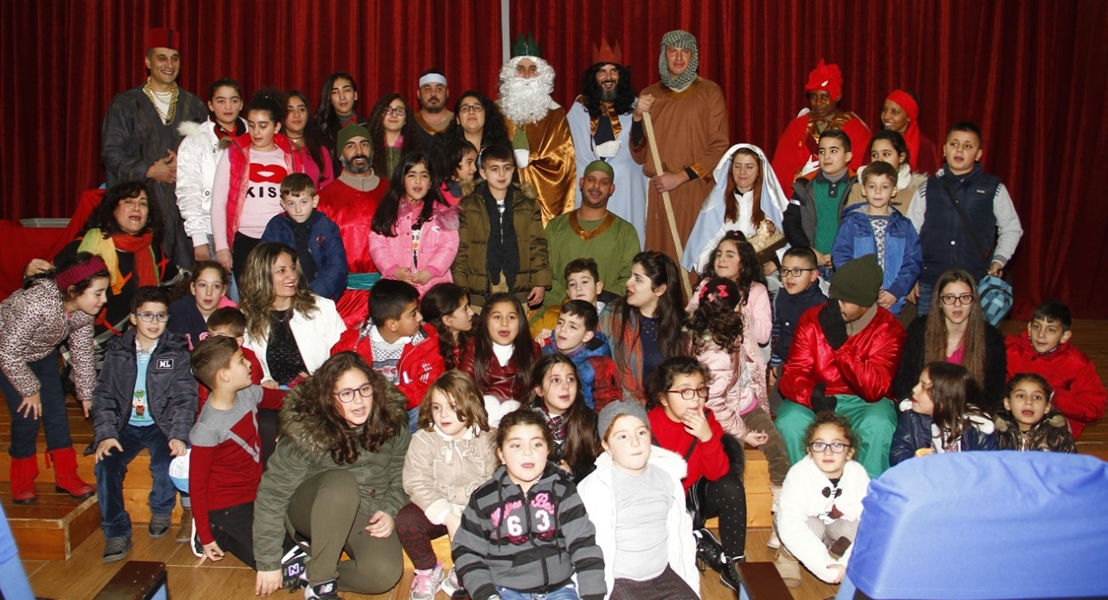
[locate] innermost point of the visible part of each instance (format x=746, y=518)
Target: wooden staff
x=648, y=127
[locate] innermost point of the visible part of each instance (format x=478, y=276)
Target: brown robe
x=553, y=166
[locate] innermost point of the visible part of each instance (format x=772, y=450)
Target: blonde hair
x=258, y=293
x=463, y=394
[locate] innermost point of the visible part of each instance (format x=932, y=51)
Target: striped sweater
x=530, y=542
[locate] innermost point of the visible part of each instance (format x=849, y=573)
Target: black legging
x=241, y=247
x=725, y=498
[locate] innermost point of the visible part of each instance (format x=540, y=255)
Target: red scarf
x=911, y=134
x=141, y=247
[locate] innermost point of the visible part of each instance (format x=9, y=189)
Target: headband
x=78, y=273
x=432, y=78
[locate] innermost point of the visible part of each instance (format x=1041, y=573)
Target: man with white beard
x=600, y=122
x=538, y=129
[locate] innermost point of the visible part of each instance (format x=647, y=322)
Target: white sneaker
x=773, y=542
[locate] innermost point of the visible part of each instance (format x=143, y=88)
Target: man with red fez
x=691, y=130
x=350, y=202
x=600, y=122
x=538, y=129
x=140, y=137
x=900, y=113
x=797, y=150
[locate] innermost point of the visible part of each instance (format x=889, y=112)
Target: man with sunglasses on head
x=843, y=358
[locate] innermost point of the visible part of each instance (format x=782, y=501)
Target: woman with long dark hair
x=336, y=109
x=392, y=132
x=479, y=120
x=307, y=139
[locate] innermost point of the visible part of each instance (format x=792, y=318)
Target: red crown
x=605, y=54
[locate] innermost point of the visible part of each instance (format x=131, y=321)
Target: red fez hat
x=162, y=37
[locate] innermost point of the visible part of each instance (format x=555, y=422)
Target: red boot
x=23, y=472
x=65, y=474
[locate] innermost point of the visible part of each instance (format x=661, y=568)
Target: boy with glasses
x=800, y=282
x=145, y=398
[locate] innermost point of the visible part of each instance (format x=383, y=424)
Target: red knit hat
x=79, y=272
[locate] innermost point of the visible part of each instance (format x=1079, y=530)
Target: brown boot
x=22, y=473
x=838, y=549
x=788, y=567
x=185, y=531
x=65, y=474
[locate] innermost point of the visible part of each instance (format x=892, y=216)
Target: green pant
x=874, y=424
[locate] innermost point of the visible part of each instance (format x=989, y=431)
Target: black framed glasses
x=836, y=447
x=149, y=317
x=690, y=393
x=794, y=272
x=347, y=396
x=952, y=299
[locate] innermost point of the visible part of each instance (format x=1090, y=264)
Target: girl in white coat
x=636, y=502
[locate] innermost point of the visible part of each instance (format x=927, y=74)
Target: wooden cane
x=648, y=127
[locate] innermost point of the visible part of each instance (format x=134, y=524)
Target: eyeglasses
x=836, y=447
x=347, y=396
x=689, y=393
x=794, y=272
x=473, y=108
x=396, y=111
x=149, y=317
x=952, y=299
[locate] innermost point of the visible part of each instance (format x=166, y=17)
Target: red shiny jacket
x=498, y=381
x=1078, y=391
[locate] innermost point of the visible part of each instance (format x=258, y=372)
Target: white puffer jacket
x=197, y=157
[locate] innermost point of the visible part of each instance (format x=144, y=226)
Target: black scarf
x=301, y=233
x=503, y=247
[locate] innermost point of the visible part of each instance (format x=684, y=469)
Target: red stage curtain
x=1030, y=74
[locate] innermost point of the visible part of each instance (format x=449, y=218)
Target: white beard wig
x=525, y=100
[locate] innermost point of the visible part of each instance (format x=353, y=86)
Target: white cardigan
x=599, y=497
x=197, y=157
x=802, y=497
x=314, y=336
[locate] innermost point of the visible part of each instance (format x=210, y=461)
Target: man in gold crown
x=140, y=137
x=600, y=122
x=538, y=129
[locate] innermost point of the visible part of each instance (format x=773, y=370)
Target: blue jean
x=112, y=469
x=413, y=420
x=569, y=592
x=923, y=303
x=53, y=416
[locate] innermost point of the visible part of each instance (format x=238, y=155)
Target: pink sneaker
x=426, y=582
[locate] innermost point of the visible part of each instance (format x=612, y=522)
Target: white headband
x=432, y=78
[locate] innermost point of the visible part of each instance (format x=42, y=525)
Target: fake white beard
x=523, y=100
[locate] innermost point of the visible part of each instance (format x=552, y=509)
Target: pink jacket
x=438, y=244
x=735, y=389
x=757, y=313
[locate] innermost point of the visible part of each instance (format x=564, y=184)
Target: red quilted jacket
x=1078, y=391
x=420, y=362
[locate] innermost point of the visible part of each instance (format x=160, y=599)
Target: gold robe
x=553, y=166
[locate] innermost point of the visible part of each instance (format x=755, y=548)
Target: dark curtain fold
x=1030, y=74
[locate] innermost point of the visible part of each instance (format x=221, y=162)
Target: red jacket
x=420, y=361
x=499, y=381
x=707, y=459
x=1078, y=391
x=238, y=155
x=864, y=366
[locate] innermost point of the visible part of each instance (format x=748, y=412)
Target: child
x=875, y=228
x=636, y=503
x=396, y=343
x=821, y=503
x=52, y=307
x=225, y=465
x=735, y=259
x=1029, y=421
x=942, y=416
x=888, y=146
x=583, y=282
x=145, y=398
x=452, y=454
x=501, y=247
x=959, y=213
x=1046, y=350
x=319, y=248
x=575, y=336
x=446, y=308
x=556, y=395
x=737, y=393
x=414, y=233
x=189, y=314
x=525, y=530
x=713, y=485
x=500, y=355
x=812, y=218
x=800, y=280
x=459, y=158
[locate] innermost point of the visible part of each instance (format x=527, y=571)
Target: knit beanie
x=352, y=130
x=615, y=410
x=858, y=281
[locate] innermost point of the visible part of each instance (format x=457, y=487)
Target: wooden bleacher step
x=53, y=527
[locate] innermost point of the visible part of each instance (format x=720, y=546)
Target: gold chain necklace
x=174, y=91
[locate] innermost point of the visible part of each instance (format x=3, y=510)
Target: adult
x=140, y=138
x=592, y=231
x=747, y=198
x=308, y=140
x=843, y=358
x=335, y=479
x=900, y=113
x=600, y=123
x=197, y=157
x=538, y=129
x=289, y=328
x=337, y=106
x=125, y=232
x=392, y=132
x=351, y=202
x=433, y=120
x=690, y=130
x=957, y=333
x=798, y=147
x=479, y=120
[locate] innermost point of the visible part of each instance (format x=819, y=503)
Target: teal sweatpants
x=874, y=424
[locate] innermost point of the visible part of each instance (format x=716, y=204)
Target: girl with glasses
x=393, y=133
x=957, y=333
x=821, y=503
